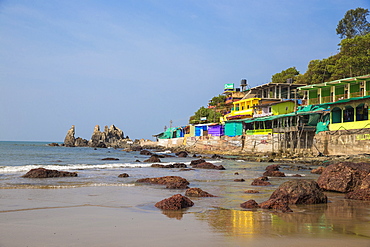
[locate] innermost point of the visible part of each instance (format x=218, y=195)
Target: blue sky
x=138, y=64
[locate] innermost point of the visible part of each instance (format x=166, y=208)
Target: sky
x=142, y=65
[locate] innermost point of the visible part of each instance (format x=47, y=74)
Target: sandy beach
x=119, y=216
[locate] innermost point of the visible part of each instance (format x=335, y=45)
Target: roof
x=336, y=82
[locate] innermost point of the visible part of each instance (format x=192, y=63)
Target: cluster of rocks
x=110, y=137
x=353, y=179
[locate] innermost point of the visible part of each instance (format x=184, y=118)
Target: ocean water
x=340, y=218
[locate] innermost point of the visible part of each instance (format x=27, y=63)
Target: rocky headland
x=110, y=137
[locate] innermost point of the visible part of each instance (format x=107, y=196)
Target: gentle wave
x=13, y=169
x=26, y=168
x=28, y=186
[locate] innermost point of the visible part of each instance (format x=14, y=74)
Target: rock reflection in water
x=346, y=218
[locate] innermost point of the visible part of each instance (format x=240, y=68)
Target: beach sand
x=126, y=216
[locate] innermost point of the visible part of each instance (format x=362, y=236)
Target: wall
x=283, y=108
x=340, y=142
x=350, y=125
x=343, y=142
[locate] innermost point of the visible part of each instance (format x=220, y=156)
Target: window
x=348, y=114
x=362, y=112
x=336, y=115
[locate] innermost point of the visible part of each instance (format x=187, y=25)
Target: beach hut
x=234, y=128
x=216, y=130
x=201, y=130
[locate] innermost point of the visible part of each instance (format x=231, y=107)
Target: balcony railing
x=313, y=101
x=326, y=99
x=357, y=94
x=340, y=96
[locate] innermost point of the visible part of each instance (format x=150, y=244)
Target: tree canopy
x=284, y=75
x=211, y=115
x=354, y=23
x=352, y=60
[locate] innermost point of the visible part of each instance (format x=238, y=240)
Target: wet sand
x=126, y=216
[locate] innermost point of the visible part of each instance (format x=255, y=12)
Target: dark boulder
x=175, y=202
x=216, y=156
x=197, y=192
x=46, y=173
x=145, y=152
x=171, y=182
x=300, y=192
x=344, y=176
x=153, y=159
x=179, y=165
x=182, y=154
x=272, y=168
x=274, y=204
x=261, y=181
x=239, y=180
x=250, y=204
x=208, y=165
x=54, y=144
x=162, y=166
x=110, y=159
x=196, y=162
x=251, y=191
x=123, y=175
x=272, y=173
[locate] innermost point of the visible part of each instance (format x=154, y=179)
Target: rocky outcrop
x=175, y=202
x=197, y=192
x=171, y=182
x=69, y=140
x=110, y=137
x=46, y=173
x=208, y=165
x=344, y=176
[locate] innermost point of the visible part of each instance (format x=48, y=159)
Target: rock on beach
x=344, y=176
x=171, y=182
x=175, y=202
x=197, y=192
x=300, y=192
x=208, y=165
x=47, y=173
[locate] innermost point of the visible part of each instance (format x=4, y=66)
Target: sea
x=338, y=218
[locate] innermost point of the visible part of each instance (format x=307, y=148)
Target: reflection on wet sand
x=348, y=218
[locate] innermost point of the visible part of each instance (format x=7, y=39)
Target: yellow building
x=242, y=109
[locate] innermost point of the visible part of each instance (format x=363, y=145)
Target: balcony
x=314, y=101
x=340, y=96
